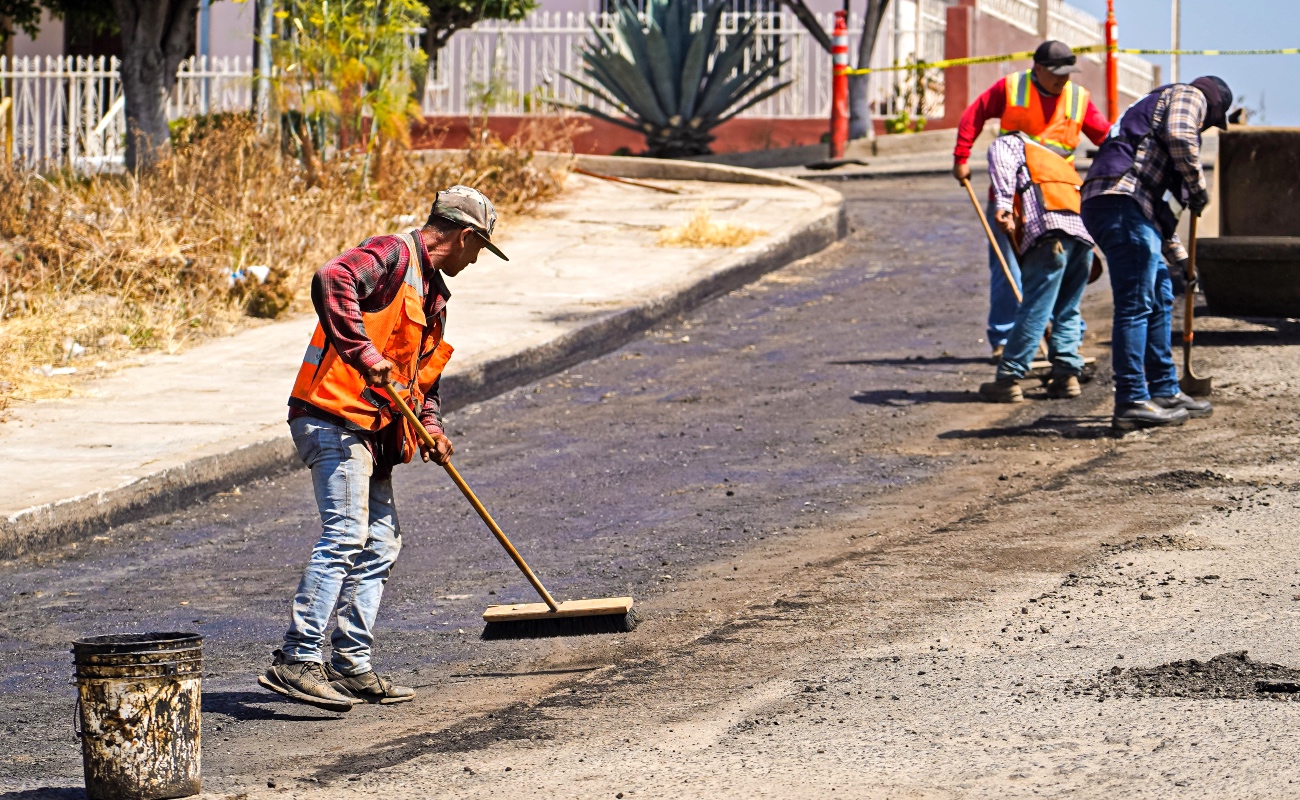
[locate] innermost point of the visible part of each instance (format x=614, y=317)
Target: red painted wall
x=603, y=138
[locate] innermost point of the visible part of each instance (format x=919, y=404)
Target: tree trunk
x=156, y=37
x=860, y=111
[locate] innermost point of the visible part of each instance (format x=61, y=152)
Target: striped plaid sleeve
x=1182, y=139
x=1004, y=160
x=341, y=287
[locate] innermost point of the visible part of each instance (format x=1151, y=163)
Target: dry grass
x=702, y=231
x=96, y=269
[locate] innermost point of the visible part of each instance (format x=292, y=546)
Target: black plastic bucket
x=139, y=709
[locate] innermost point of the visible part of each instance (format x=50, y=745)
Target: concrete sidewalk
x=585, y=274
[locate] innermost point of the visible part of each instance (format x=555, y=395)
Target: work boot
x=996, y=357
x=1002, y=390
x=305, y=682
x=1063, y=387
x=368, y=687
x=1131, y=416
x=1196, y=409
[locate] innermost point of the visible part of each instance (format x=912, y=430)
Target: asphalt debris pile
x=1179, y=479
x=1228, y=676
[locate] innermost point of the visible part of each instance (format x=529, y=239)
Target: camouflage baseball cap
x=469, y=207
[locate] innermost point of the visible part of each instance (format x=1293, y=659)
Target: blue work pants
x=1144, y=299
x=1054, y=273
x=351, y=562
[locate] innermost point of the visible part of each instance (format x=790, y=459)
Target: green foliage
x=445, y=17
x=658, y=74
x=910, y=99
x=340, y=62
x=26, y=14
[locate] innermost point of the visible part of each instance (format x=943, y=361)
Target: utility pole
x=1044, y=17
x=1174, y=40
x=1112, y=62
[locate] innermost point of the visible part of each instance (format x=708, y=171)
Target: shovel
x=1191, y=383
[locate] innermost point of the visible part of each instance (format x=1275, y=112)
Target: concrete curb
x=53, y=524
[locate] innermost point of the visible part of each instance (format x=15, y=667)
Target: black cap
x=1057, y=57
x=1219, y=99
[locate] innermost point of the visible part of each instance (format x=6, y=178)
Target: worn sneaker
x=996, y=357
x=1002, y=390
x=368, y=687
x=1196, y=409
x=1063, y=387
x=1131, y=416
x=305, y=682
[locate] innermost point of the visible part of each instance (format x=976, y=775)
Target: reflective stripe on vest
x=1024, y=114
x=398, y=332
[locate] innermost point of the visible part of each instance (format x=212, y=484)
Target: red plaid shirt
x=364, y=280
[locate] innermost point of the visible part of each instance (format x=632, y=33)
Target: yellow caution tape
x=1095, y=48
x=1289, y=51
x=961, y=62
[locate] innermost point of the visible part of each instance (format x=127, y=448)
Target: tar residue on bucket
x=139, y=703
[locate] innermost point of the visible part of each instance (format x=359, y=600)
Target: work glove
x=1198, y=202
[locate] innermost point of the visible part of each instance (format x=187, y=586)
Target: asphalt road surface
x=723, y=470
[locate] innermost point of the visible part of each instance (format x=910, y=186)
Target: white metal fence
x=1078, y=29
x=513, y=68
x=70, y=110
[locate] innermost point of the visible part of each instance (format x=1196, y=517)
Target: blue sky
x=1222, y=25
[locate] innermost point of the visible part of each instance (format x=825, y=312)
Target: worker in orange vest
x=381, y=309
x=1051, y=110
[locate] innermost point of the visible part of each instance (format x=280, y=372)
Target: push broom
x=531, y=620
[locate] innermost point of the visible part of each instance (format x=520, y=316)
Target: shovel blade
x=1196, y=387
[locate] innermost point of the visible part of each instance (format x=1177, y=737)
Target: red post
x=840, y=86
x=1112, y=62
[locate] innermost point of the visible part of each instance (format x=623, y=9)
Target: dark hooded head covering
x=1220, y=100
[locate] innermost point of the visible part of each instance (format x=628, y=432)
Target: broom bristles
x=561, y=626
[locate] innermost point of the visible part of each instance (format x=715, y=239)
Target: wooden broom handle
x=993, y=242
x=473, y=500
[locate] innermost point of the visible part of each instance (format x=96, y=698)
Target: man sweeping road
x=1053, y=111
x=381, y=310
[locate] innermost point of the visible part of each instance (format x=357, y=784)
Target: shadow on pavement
x=46, y=793
x=902, y=397
x=912, y=361
x=253, y=706
x=1049, y=425
x=1284, y=334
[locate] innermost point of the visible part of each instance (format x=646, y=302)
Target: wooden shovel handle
x=473, y=499
x=1189, y=292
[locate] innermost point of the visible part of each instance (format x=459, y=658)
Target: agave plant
x=674, y=84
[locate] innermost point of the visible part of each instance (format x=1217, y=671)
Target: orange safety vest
x=1024, y=114
x=1056, y=183
x=397, y=331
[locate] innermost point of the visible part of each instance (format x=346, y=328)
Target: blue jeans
x=1144, y=299
x=1002, y=300
x=359, y=542
x=1054, y=273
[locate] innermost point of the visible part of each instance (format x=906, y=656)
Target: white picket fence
x=70, y=110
